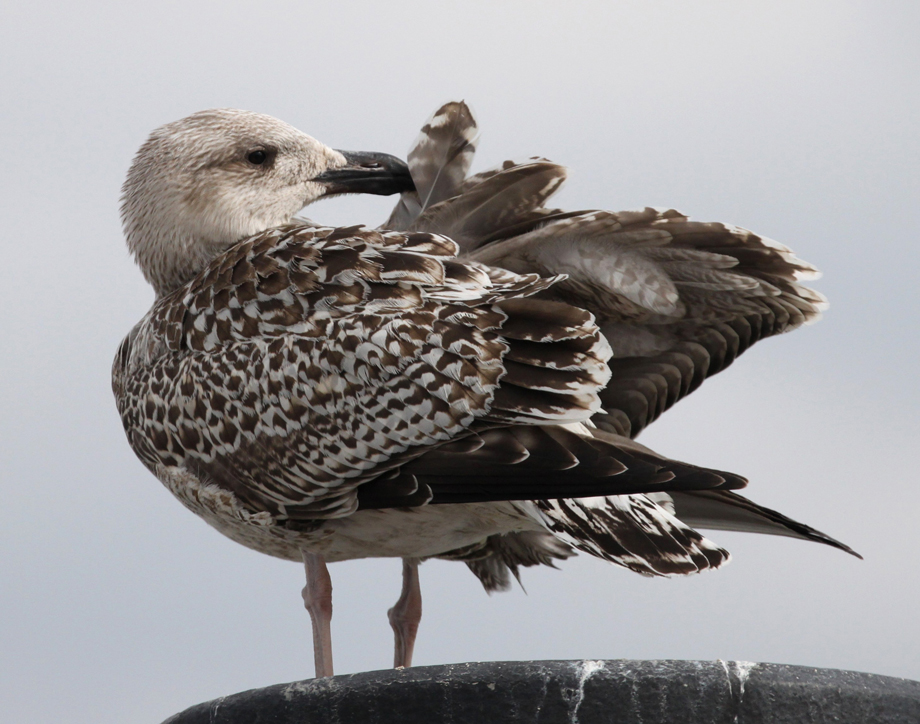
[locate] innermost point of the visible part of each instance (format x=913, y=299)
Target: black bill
x=368, y=173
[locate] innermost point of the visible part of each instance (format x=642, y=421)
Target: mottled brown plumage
x=305, y=362
x=678, y=301
x=443, y=387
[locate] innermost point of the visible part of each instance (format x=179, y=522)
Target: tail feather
x=632, y=531
x=498, y=557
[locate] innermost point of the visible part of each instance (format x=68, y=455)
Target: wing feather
x=307, y=361
x=678, y=300
x=439, y=161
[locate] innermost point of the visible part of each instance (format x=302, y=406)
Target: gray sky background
x=796, y=119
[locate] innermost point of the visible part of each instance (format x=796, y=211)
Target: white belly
x=420, y=532
x=390, y=533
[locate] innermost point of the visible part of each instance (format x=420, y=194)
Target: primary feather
x=677, y=300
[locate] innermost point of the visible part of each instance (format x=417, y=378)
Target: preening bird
x=463, y=382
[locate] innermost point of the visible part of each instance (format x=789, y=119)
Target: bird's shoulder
x=305, y=357
x=305, y=280
x=299, y=279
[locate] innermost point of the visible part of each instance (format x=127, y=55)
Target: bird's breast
x=420, y=532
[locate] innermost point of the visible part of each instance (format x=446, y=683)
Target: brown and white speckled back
x=306, y=361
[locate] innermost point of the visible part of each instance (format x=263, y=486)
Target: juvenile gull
x=322, y=394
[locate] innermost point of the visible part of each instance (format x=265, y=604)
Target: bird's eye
x=257, y=158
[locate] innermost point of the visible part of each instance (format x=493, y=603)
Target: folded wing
x=312, y=370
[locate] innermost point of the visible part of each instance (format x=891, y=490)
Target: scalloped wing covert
x=306, y=361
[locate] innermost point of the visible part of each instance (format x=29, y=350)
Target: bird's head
x=199, y=185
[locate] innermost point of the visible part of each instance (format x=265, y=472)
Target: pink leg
x=406, y=614
x=317, y=597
